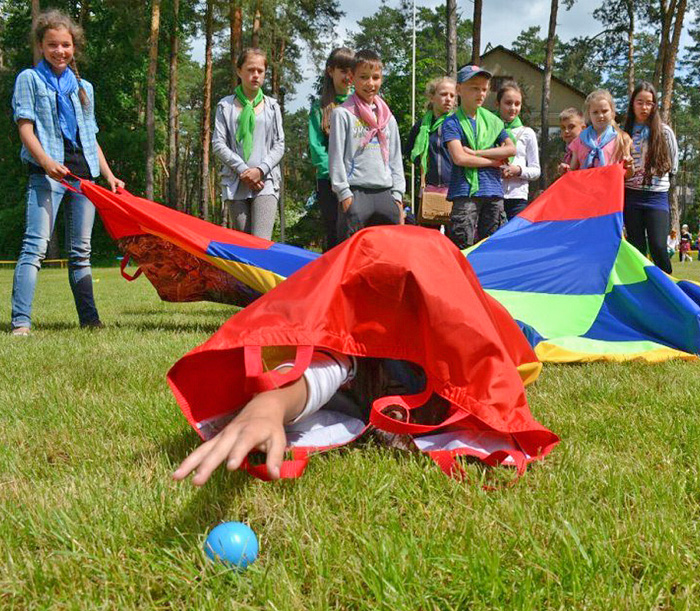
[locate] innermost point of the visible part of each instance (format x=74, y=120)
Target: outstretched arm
x=259, y=425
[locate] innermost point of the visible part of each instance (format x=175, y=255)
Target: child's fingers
x=275, y=453
x=190, y=463
x=246, y=441
x=216, y=455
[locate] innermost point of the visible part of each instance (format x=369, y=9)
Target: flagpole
x=413, y=106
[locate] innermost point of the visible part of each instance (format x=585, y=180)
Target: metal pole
x=413, y=107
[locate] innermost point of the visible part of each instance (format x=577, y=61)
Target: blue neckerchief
x=642, y=130
x=590, y=139
x=63, y=85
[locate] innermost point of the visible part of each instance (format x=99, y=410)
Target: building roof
x=533, y=66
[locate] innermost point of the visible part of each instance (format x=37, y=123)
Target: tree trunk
x=630, y=49
x=255, y=38
x=36, y=9
x=206, y=114
x=173, y=114
x=476, y=33
x=546, y=85
x=667, y=79
x=236, y=25
x=151, y=97
x=451, y=9
x=280, y=203
x=669, y=68
x=666, y=17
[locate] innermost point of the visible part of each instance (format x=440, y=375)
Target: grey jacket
x=350, y=165
x=229, y=151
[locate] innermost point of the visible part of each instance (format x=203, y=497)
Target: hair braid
x=82, y=94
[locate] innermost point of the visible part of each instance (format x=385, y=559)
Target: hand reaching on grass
x=258, y=426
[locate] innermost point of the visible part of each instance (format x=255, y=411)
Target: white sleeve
x=326, y=373
x=531, y=166
x=672, y=144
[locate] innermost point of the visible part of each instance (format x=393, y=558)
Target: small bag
x=434, y=207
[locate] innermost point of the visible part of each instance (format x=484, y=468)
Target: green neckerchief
x=420, y=146
x=511, y=126
x=341, y=97
x=509, y=130
x=246, y=120
x=488, y=128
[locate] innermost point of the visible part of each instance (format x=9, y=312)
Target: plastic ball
x=232, y=543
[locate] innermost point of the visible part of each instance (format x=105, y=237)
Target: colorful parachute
x=578, y=289
x=562, y=269
x=188, y=259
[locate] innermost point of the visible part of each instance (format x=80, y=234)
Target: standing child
x=55, y=111
x=571, y=124
x=602, y=142
x=425, y=141
x=334, y=91
x=655, y=154
x=684, y=247
x=478, y=144
x=525, y=166
x=364, y=153
x=249, y=141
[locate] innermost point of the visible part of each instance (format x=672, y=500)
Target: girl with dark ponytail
x=334, y=91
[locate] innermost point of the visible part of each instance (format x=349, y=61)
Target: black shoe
x=92, y=325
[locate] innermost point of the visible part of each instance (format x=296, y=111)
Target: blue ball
x=232, y=543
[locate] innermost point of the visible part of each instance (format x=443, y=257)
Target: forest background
x=155, y=103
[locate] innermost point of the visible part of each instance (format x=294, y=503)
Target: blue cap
x=467, y=72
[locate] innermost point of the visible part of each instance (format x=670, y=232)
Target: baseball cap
x=467, y=72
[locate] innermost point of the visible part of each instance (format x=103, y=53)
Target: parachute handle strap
x=125, y=261
x=386, y=423
x=290, y=469
x=258, y=380
x=447, y=461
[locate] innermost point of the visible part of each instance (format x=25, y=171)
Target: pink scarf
x=376, y=122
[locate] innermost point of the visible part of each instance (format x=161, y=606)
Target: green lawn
x=89, y=518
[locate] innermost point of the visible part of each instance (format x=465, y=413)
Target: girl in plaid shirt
x=55, y=113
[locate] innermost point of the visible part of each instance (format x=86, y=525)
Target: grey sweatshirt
x=230, y=152
x=351, y=165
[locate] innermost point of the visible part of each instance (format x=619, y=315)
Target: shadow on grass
x=194, y=326
x=193, y=311
x=207, y=506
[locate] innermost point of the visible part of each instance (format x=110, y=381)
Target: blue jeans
x=44, y=196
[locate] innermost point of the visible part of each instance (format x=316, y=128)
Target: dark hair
x=247, y=52
x=56, y=20
x=366, y=56
x=507, y=86
x=341, y=57
x=658, y=158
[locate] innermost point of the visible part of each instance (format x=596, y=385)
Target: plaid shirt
x=34, y=101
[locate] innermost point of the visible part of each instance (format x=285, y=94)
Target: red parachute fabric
x=388, y=292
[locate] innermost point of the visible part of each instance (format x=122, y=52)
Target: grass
x=89, y=518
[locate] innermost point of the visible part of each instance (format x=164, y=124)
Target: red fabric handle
x=258, y=380
x=445, y=459
x=124, y=263
x=391, y=425
x=290, y=469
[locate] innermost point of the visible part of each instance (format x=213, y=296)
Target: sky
x=500, y=26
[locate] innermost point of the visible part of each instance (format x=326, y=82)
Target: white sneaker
x=21, y=332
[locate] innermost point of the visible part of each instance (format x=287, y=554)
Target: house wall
x=502, y=65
